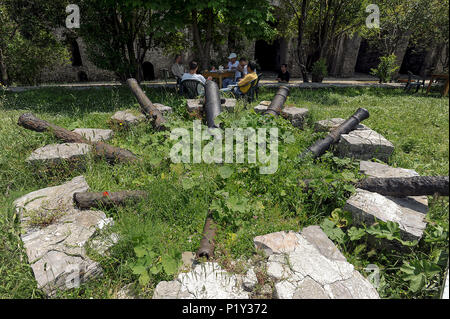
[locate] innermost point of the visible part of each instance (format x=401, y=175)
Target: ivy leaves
x=150, y=263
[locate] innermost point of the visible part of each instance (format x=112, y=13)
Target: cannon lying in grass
x=111, y=153
x=402, y=186
x=207, y=243
x=321, y=146
x=213, y=103
x=278, y=101
x=147, y=107
x=87, y=200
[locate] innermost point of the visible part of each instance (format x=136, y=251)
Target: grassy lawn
x=245, y=204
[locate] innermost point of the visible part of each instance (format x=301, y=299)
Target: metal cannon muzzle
x=278, y=101
x=321, y=146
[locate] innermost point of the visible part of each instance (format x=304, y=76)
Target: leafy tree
x=27, y=43
x=119, y=33
x=248, y=19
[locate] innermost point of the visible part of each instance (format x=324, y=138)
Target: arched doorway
x=148, y=71
x=268, y=55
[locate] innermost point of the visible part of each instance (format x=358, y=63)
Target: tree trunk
x=87, y=200
x=3, y=71
x=111, y=153
x=301, y=30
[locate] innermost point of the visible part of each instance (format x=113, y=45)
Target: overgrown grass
x=245, y=204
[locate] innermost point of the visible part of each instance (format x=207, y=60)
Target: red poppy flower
x=105, y=194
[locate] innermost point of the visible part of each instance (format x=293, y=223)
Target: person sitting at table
x=192, y=74
x=233, y=64
x=178, y=68
x=283, y=75
x=241, y=70
x=244, y=84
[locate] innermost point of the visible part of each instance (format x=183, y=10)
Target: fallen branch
x=147, y=107
x=111, y=153
x=88, y=200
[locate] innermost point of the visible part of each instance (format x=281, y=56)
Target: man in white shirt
x=233, y=64
x=192, y=75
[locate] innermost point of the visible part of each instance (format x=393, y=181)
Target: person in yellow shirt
x=244, y=84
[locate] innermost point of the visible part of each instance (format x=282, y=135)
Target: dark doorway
x=148, y=71
x=413, y=61
x=76, y=55
x=368, y=58
x=267, y=55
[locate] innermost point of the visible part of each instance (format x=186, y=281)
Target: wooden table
x=219, y=75
x=439, y=77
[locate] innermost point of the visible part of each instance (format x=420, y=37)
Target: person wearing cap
x=233, y=64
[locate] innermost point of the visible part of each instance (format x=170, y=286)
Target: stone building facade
x=352, y=54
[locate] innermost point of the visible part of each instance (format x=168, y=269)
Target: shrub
x=319, y=70
x=386, y=69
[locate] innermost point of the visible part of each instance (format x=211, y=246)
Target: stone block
x=260, y=108
x=94, y=134
x=194, y=105
x=364, y=145
x=163, y=108
x=206, y=281
x=296, y=115
x=275, y=243
x=408, y=214
x=331, y=124
x=55, y=153
x=127, y=118
x=55, y=233
x=314, y=268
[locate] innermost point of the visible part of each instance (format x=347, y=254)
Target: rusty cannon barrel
x=207, y=243
x=321, y=146
x=406, y=186
x=213, y=103
x=277, y=103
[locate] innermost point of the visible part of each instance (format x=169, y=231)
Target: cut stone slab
x=163, y=108
x=409, y=215
x=296, y=115
x=276, y=243
x=205, y=281
x=315, y=269
x=445, y=290
x=126, y=292
x=194, y=105
x=55, y=153
x=229, y=104
x=54, y=235
x=197, y=105
x=408, y=212
x=250, y=280
x=261, y=108
x=188, y=259
x=331, y=124
x=127, y=118
x=364, y=145
x=94, y=134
